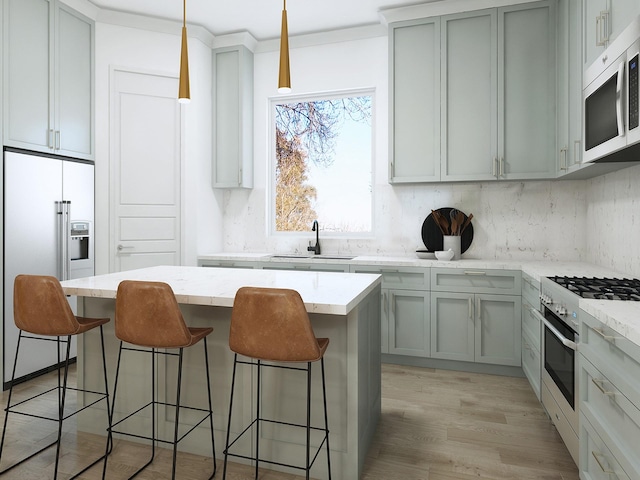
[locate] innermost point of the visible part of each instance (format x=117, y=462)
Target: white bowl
x=444, y=255
x=425, y=254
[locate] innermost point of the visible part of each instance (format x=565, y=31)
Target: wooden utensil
x=437, y=219
x=466, y=223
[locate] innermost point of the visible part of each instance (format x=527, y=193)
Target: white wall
x=144, y=50
x=512, y=220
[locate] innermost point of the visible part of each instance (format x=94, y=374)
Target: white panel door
x=146, y=168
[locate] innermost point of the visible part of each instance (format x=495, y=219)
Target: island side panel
x=352, y=371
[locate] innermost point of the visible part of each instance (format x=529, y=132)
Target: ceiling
x=262, y=18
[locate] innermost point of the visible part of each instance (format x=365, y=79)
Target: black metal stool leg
x=307, y=468
x=113, y=407
x=62, y=396
x=213, y=441
x=258, y=420
x=177, y=423
x=233, y=384
x=6, y=410
x=326, y=417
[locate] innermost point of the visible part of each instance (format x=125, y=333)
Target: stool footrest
x=144, y=437
x=271, y=462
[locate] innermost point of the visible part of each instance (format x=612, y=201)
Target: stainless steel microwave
x=611, y=128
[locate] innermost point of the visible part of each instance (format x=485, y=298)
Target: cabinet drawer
x=596, y=461
x=476, y=280
x=406, y=278
x=531, y=363
x=565, y=430
x=531, y=324
x=227, y=264
x=530, y=290
x=615, y=418
x=615, y=357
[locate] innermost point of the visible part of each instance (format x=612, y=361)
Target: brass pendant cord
x=184, y=92
x=284, y=77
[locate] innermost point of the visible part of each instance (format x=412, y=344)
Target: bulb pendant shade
x=284, y=77
x=184, y=92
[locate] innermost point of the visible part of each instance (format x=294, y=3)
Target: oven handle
x=565, y=341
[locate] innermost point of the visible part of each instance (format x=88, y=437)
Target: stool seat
x=148, y=315
x=40, y=307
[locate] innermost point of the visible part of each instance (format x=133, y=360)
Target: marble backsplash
x=613, y=221
x=512, y=221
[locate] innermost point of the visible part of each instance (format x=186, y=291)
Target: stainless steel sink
x=315, y=257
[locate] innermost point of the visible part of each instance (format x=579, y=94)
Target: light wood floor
x=435, y=425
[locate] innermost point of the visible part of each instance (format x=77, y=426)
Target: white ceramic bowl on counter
x=444, y=255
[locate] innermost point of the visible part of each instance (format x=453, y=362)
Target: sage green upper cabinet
x=469, y=93
x=604, y=20
x=570, y=70
x=48, y=78
x=498, y=78
x=415, y=101
x=496, y=89
x=233, y=117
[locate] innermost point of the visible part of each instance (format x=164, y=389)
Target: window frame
x=272, y=161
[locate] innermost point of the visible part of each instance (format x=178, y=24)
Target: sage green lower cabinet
x=227, y=264
x=404, y=318
x=531, y=333
x=452, y=326
x=408, y=319
x=478, y=328
x=317, y=267
x=609, y=383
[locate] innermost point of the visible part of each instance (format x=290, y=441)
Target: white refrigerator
x=48, y=230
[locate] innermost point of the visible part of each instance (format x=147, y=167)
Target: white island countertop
x=322, y=292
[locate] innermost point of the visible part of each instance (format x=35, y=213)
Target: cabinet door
x=27, y=56
x=415, y=102
x=527, y=91
x=409, y=323
x=597, y=25
x=73, y=134
x=498, y=329
x=233, y=117
x=469, y=89
x=622, y=13
x=452, y=326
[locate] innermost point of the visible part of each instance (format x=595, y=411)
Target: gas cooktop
x=601, y=288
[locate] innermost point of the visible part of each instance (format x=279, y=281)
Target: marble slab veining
x=322, y=292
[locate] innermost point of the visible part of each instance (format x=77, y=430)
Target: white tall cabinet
x=233, y=117
x=48, y=78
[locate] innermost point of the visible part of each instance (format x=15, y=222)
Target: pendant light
x=284, y=78
x=184, y=93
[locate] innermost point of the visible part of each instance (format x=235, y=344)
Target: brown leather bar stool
x=148, y=316
x=40, y=307
x=272, y=325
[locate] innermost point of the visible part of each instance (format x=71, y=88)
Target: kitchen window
x=322, y=167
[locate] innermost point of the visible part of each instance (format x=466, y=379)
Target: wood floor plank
x=435, y=425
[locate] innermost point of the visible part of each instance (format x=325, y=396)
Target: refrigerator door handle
x=64, y=229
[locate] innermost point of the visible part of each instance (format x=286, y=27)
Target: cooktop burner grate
x=601, y=288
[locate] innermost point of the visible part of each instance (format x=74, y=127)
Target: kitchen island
x=343, y=307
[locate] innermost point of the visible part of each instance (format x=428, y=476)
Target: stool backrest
x=147, y=314
x=41, y=307
x=272, y=324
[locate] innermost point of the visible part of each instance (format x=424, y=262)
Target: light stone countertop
x=330, y=293
x=621, y=316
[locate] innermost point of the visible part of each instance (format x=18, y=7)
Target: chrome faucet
x=315, y=249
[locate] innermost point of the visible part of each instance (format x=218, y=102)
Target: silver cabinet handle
x=600, y=332
x=602, y=28
x=122, y=247
x=393, y=303
x=57, y=144
x=494, y=167
x=600, y=386
x=479, y=308
x=474, y=272
x=386, y=304
x=576, y=152
x=50, y=140
x=563, y=152
x=470, y=309
x=604, y=470
x=501, y=167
